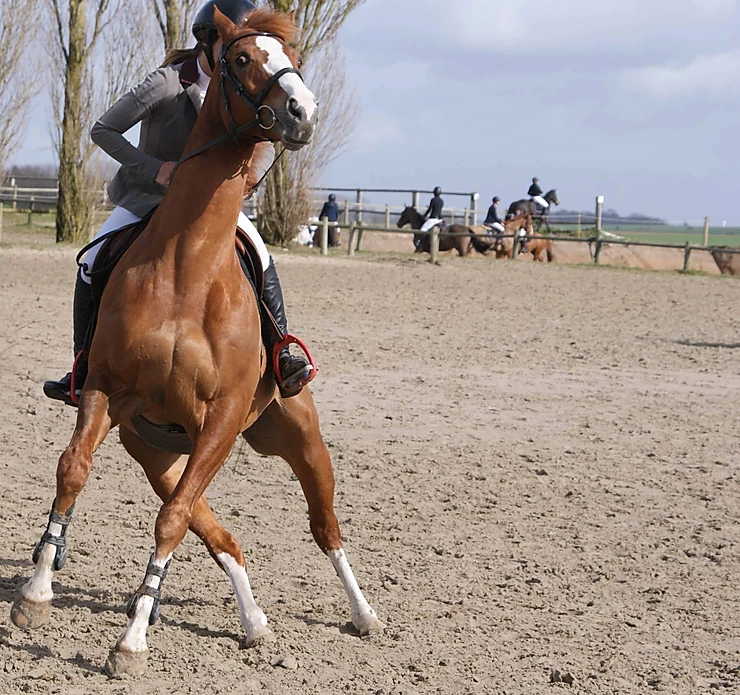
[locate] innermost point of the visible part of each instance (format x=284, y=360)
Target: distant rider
x=536, y=194
x=433, y=215
x=493, y=220
x=331, y=212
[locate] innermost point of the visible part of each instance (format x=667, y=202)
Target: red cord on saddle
x=72, y=385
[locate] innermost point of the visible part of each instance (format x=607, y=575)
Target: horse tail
x=550, y=254
x=479, y=244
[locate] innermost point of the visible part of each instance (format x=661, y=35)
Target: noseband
x=256, y=103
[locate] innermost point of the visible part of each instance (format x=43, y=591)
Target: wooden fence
x=596, y=243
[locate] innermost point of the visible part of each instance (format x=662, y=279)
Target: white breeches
x=120, y=217
x=497, y=227
x=431, y=222
x=541, y=202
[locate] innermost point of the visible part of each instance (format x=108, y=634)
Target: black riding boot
x=293, y=370
x=82, y=314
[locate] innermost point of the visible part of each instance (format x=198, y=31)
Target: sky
x=635, y=101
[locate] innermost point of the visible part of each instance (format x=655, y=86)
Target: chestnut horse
x=178, y=341
x=460, y=242
x=522, y=224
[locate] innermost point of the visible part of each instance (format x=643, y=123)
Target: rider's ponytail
x=180, y=55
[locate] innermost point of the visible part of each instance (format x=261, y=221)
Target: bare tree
x=286, y=192
x=77, y=29
x=17, y=71
x=174, y=18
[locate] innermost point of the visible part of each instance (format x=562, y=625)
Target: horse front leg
x=164, y=472
x=32, y=607
x=290, y=429
x=220, y=430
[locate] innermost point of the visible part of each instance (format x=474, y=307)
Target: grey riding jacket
x=167, y=104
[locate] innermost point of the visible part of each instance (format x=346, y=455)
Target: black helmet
x=535, y=180
x=204, y=28
x=437, y=190
x=332, y=197
x=496, y=199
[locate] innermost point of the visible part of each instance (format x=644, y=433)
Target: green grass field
x=667, y=234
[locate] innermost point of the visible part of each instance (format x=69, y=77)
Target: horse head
x=263, y=91
x=410, y=215
x=552, y=197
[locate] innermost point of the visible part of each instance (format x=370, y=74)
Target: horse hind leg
x=32, y=607
x=290, y=429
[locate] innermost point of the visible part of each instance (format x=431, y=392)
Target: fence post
x=350, y=246
x=706, y=231
x=474, y=208
x=686, y=254
x=15, y=196
x=1, y=223
x=599, y=213
x=515, y=246
x=434, y=250
x=466, y=217
x=346, y=212
x=30, y=211
x=579, y=226
x=360, y=232
x=358, y=215
x=452, y=216
x=387, y=215
x=597, y=252
x=415, y=199
x=324, y=236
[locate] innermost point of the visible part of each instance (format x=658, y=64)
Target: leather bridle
x=256, y=103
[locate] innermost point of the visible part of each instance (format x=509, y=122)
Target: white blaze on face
x=291, y=83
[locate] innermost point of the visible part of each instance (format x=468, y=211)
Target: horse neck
x=417, y=219
x=206, y=193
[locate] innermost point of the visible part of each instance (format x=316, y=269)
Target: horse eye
x=300, y=63
x=242, y=61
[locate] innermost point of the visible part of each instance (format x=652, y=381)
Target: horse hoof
x=259, y=635
x=367, y=623
x=29, y=615
x=125, y=663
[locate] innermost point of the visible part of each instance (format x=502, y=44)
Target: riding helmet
x=496, y=199
x=437, y=191
x=535, y=180
x=332, y=197
x=204, y=28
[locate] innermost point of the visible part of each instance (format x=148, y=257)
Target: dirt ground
x=537, y=479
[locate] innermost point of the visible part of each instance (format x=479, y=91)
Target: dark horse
x=459, y=239
x=538, y=216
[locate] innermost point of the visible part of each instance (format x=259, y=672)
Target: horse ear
x=225, y=27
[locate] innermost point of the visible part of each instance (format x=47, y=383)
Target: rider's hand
x=165, y=173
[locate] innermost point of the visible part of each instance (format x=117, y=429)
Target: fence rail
x=356, y=232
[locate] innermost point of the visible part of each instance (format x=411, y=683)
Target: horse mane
x=267, y=21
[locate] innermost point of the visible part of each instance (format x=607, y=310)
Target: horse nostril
x=294, y=108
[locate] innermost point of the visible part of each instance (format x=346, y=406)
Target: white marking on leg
x=133, y=638
x=251, y=615
x=292, y=84
x=363, y=616
x=38, y=587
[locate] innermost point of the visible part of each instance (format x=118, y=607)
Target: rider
x=535, y=193
x=492, y=218
x=433, y=215
x=331, y=212
x=166, y=103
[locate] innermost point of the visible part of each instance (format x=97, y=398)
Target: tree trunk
x=174, y=13
x=73, y=206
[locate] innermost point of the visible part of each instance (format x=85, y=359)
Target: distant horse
x=541, y=216
x=728, y=263
x=461, y=242
x=537, y=246
x=493, y=242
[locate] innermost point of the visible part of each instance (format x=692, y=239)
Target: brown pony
x=501, y=246
x=456, y=237
x=178, y=341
